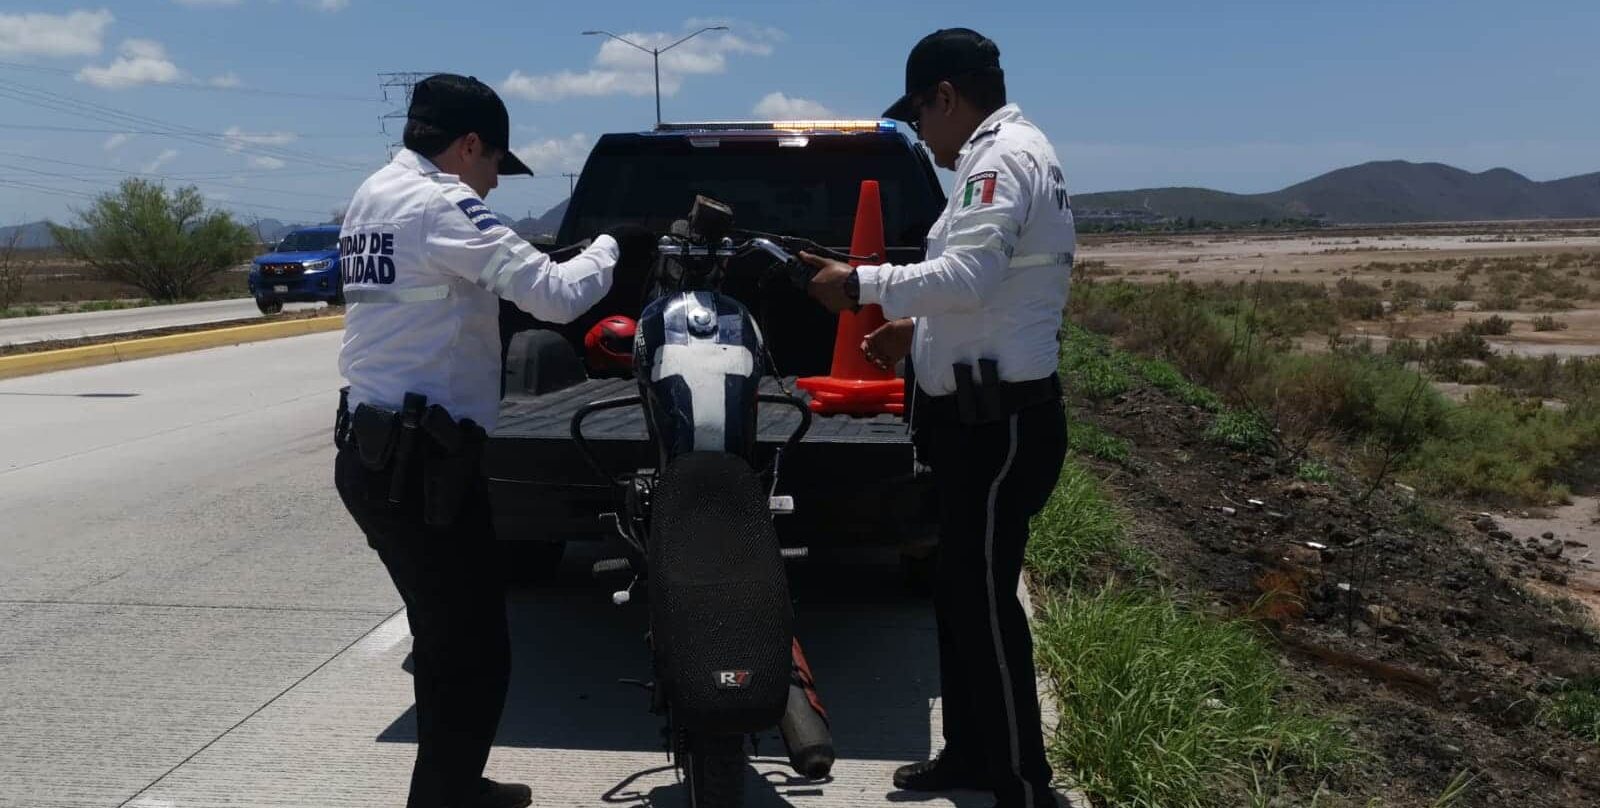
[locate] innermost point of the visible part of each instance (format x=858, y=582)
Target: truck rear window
x=806, y=191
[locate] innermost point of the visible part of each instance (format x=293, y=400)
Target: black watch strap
x=852, y=286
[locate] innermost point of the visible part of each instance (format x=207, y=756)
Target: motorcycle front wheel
x=713, y=769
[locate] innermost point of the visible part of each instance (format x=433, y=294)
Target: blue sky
x=1241, y=95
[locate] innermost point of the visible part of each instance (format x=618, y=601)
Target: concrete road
x=19, y=330
x=188, y=618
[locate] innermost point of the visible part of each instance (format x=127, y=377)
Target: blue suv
x=303, y=268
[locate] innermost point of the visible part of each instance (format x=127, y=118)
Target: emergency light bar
x=780, y=126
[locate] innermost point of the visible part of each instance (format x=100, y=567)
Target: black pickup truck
x=855, y=481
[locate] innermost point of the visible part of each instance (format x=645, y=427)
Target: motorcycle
x=698, y=527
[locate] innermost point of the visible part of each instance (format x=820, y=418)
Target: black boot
x=500, y=795
x=944, y=773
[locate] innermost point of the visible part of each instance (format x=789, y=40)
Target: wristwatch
x=852, y=287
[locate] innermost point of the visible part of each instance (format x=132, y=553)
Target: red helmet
x=609, y=345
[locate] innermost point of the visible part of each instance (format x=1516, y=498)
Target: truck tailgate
x=853, y=479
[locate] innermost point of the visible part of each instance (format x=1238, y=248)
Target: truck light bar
x=780, y=126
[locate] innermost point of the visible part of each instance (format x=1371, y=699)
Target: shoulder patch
x=478, y=212
x=979, y=189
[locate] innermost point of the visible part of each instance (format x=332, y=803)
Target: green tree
x=11, y=268
x=165, y=243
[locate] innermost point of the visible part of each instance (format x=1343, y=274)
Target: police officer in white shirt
x=424, y=263
x=980, y=319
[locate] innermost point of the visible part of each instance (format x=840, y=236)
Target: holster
x=448, y=452
x=341, y=419
x=453, y=465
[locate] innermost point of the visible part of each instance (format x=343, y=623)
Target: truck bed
x=853, y=479
x=524, y=417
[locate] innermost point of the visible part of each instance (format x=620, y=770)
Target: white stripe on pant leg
x=994, y=618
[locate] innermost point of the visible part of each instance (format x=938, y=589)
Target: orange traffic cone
x=855, y=386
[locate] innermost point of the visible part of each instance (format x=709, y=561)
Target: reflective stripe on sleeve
x=502, y=266
x=419, y=294
x=984, y=230
x=1041, y=260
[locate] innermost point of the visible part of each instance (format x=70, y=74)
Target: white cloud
x=116, y=141
x=79, y=33
x=268, y=163
x=779, y=107
x=160, y=160
x=143, y=61
x=237, y=138
x=620, y=69
x=567, y=84
x=328, y=5
x=556, y=154
x=224, y=80
x=207, y=3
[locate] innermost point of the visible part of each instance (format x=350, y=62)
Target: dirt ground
x=1433, y=640
x=1374, y=256
x=49, y=280
x=1437, y=634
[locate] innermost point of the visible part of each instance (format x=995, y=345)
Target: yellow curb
x=29, y=364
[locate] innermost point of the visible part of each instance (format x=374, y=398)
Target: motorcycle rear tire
x=713, y=768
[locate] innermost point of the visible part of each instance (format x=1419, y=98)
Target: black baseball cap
x=940, y=56
x=462, y=104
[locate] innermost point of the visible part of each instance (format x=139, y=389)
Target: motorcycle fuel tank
x=699, y=360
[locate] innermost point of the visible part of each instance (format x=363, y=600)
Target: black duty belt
x=420, y=441
x=986, y=402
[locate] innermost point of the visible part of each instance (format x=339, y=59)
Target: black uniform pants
x=455, y=601
x=991, y=479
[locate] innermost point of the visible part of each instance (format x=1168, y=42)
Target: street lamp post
x=655, y=54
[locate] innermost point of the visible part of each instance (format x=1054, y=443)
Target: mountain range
x=1370, y=193
x=1377, y=192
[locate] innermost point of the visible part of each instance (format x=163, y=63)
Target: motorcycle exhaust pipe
x=805, y=724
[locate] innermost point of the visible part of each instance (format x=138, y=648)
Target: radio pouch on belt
x=966, y=394
x=410, y=431
x=374, y=430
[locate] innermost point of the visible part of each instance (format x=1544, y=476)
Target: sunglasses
x=922, y=102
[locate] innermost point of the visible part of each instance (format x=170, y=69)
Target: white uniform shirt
x=424, y=262
x=999, y=262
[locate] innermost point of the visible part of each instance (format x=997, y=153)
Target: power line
x=103, y=114
x=152, y=174
x=110, y=115
x=194, y=85
x=125, y=131
x=46, y=189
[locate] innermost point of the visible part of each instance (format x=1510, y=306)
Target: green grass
x=34, y=310
x=1086, y=438
x=1503, y=449
x=1078, y=528
x=1092, y=368
x=1313, y=472
x=1239, y=339
x=1163, y=706
x=1241, y=430
x=1577, y=708
x=1166, y=377
x=1160, y=705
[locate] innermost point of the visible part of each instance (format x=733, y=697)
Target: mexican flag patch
x=979, y=190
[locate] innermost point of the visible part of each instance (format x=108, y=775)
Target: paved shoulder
x=21, y=330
